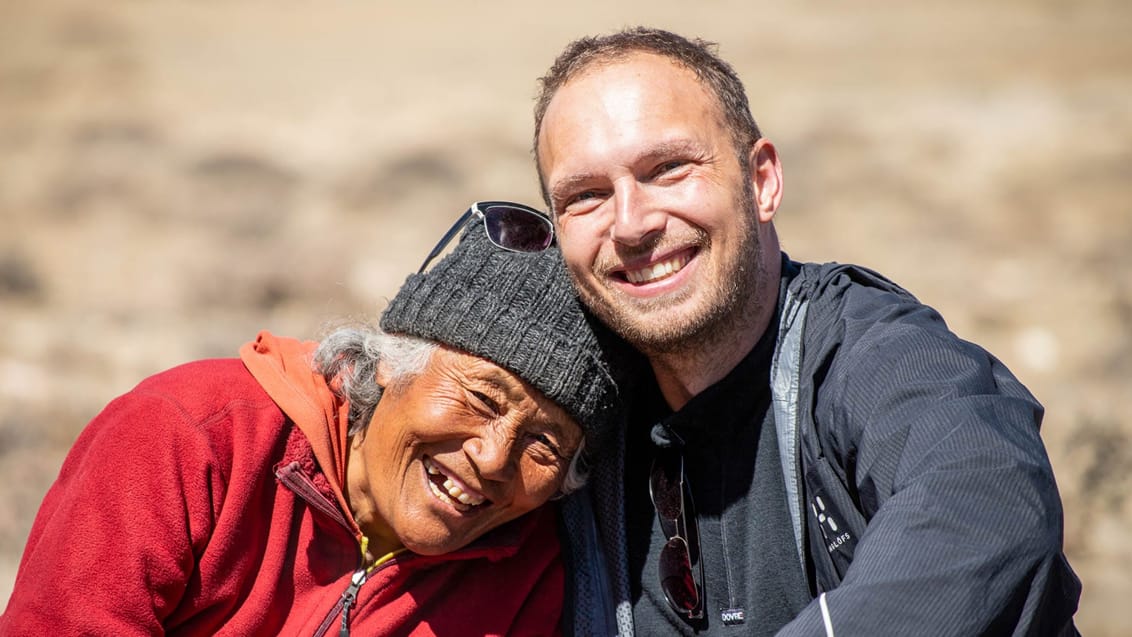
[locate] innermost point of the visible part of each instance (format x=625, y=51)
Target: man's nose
x=635, y=219
x=491, y=453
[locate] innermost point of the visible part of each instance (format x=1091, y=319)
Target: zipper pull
x=349, y=598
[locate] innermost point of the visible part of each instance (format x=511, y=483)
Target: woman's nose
x=490, y=453
x=635, y=219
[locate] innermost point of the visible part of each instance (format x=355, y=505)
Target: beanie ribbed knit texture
x=518, y=310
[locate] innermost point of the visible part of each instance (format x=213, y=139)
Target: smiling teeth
x=454, y=491
x=657, y=271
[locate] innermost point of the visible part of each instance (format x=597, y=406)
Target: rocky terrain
x=175, y=176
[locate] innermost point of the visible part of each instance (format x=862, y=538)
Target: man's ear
x=766, y=178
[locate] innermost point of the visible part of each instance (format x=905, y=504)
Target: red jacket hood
x=283, y=367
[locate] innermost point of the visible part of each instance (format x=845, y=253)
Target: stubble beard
x=719, y=315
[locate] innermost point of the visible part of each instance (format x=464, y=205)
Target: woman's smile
x=450, y=489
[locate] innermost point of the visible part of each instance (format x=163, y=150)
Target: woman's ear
x=357, y=438
x=381, y=375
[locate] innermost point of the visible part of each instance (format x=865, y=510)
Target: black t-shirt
x=734, y=474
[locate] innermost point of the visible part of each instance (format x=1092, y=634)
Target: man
x=818, y=453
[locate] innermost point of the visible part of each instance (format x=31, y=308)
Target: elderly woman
x=379, y=482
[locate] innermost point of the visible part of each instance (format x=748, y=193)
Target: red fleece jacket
x=193, y=505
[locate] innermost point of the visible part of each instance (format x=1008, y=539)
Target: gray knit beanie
x=518, y=310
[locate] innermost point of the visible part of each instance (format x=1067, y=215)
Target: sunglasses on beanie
x=511, y=226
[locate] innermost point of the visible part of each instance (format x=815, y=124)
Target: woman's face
x=455, y=452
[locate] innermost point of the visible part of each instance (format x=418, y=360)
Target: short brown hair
x=697, y=55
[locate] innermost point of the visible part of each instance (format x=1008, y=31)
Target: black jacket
x=922, y=497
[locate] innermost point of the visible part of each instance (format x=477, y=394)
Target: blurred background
x=176, y=176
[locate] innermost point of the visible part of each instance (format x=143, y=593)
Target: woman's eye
x=486, y=402
x=549, y=445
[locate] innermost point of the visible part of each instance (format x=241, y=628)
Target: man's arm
x=941, y=444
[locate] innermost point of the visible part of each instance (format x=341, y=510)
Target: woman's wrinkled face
x=455, y=452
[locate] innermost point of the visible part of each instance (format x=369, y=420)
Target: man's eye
x=581, y=202
x=486, y=402
x=667, y=166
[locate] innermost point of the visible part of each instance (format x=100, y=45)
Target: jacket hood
x=283, y=367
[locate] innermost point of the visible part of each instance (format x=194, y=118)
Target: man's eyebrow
x=659, y=151
x=564, y=186
x=669, y=149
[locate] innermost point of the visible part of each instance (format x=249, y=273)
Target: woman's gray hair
x=348, y=359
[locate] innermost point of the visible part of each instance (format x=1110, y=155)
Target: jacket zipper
x=292, y=476
x=349, y=598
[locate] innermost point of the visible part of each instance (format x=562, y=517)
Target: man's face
x=654, y=210
x=461, y=449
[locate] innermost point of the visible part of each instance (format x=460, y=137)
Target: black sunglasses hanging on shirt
x=680, y=560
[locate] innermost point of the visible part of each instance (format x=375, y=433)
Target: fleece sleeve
x=940, y=444
x=112, y=547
